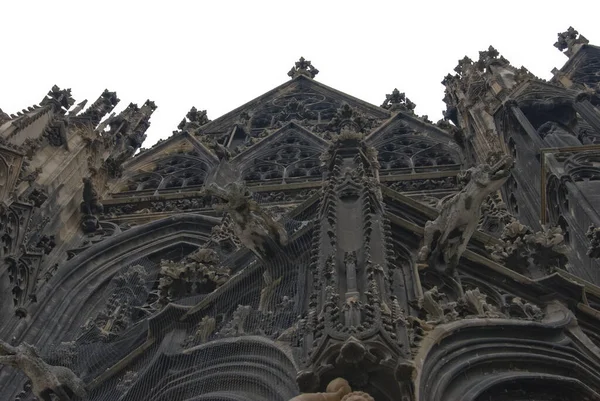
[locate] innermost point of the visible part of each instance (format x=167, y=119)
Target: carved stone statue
x=447, y=236
x=252, y=225
x=45, y=379
x=90, y=204
x=337, y=390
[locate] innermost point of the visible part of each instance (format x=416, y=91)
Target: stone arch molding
x=249, y=366
x=85, y=275
x=508, y=360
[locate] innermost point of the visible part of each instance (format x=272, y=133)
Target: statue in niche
x=45, y=379
x=446, y=237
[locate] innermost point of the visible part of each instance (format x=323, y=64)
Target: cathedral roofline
x=215, y=124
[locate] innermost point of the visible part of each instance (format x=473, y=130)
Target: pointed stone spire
x=101, y=107
x=78, y=108
x=303, y=67
x=570, y=41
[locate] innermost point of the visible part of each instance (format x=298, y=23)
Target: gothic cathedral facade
x=309, y=245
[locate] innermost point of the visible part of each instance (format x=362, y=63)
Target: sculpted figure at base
x=447, y=236
x=252, y=225
x=337, y=390
x=45, y=379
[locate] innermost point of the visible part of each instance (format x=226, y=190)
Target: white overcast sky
x=217, y=55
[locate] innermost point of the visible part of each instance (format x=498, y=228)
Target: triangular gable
x=269, y=141
x=582, y=62
x=535, y=89
x=300, y=87
x=292, y=153
x=175, y=144
x=407, y=144
x=414, y=123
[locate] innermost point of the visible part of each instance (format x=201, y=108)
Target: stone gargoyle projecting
x=253, y=226
x=45, y=379
x=447, y=236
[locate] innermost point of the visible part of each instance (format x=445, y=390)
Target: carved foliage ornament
x=530, y=253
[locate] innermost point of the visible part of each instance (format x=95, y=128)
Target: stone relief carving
x=122, y=308
x=531, y=253
x=447, y=236
x=204, y=330
x=199, y=273
x=593, y=234
x=423, y=185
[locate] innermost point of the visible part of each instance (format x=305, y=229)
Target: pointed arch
x=75, y=284
x=472, y=359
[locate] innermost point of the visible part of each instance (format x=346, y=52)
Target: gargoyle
x=252, y=225
x=45, y=379
x=447, y=236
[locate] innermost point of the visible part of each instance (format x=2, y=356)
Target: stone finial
x=105, y=103
x=193, y=119
x=303, y=67
x=397, y=101
x=489, y=56
x=463, y=66
x=569, y=41
x=60, y=98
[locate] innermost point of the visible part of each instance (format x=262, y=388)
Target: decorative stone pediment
x=406, y=144
x=179, y=162
x=301, y=98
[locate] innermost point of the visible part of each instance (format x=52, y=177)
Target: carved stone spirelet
x=447, y=236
